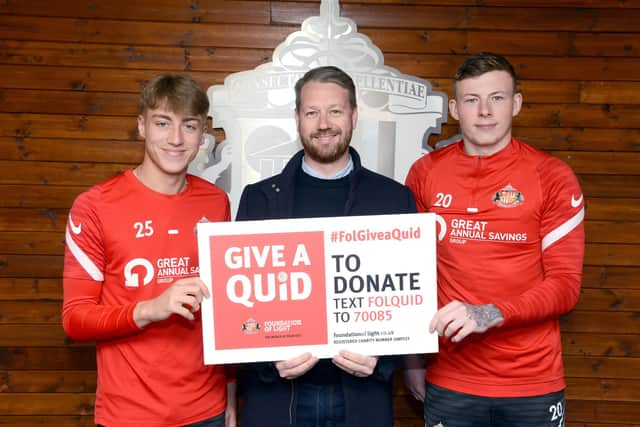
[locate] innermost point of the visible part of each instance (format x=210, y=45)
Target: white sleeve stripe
x=83, y=259
x=562, y=230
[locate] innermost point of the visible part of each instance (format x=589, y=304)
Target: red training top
x=126, y=243
x=510, y=233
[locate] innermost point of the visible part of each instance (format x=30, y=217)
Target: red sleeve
x=562, y=235
x=84, y=318
x=83, y=315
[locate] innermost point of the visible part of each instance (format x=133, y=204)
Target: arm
x=84, y=317
x=230, y=413
x=414, y=375
x=562, y=234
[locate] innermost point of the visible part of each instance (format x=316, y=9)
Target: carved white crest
x=396, y=112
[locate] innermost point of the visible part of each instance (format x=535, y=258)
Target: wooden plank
x=36, y=358
x=47, y=403
x=611, y=277
x=580, y=138
x=512, y=18
x=612, y=232
x=602, y=367
x=603, y=389
x=159, y=58
x=19, y=312
x=68, y=102
x=595, y=344
x=73, y=150
x=35, y=266
x=601, y=162
x=423, y=41
x=599, y=322
x=539, y=91
x=39, y=196
x=55, y=173
x=89, y=79
x=30, y=335
x=149, y=33
x=589, y=411
x=47, y=420
x=612, y=209
x=14, y=289
x=608, y=300
x=228, y=11
x=466, y=42
x=519, y=42
x=605, y=44
x=615, y=186
x=30, y=243
x=610, y=92
x=35, y=220
x=63, y=381
x=611, y=254
x=67, y=126
x=573, y=115
x=39, y=421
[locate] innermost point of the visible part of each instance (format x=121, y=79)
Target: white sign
x=280, y=288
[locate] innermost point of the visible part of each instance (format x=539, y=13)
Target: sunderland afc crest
x=396, y=112
x=508, y=197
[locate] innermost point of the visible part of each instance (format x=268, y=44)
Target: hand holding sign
x=293, y=368
x=356, y=364
x=183, y=298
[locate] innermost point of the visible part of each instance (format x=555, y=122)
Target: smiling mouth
x=174, y=153
x=487, y=126
x=325, y=135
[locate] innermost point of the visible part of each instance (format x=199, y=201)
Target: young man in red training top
x=130, y=274
x=510, y=250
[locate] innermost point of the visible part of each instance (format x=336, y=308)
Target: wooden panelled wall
x=70, y=74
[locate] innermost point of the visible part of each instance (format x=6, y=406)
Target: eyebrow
x=186, y=119
x=492, y=93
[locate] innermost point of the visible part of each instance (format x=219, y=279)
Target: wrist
x=141, y=314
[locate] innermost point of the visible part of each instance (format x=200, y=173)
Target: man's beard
x=326, y=154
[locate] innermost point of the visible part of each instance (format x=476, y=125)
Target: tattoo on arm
x=485, y=316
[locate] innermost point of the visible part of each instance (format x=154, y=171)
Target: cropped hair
x=482, y=63
x=181, y=93
x=327, y=74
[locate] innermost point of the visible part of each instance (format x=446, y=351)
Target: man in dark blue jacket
x=324, y=179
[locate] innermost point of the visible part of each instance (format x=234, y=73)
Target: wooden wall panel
x=70, y=75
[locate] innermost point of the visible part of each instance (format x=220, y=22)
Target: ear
x=297, y=116
x=354, y=117
x=141, y=126
x=517, y=104
x=453, y=109
x=203, y=137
